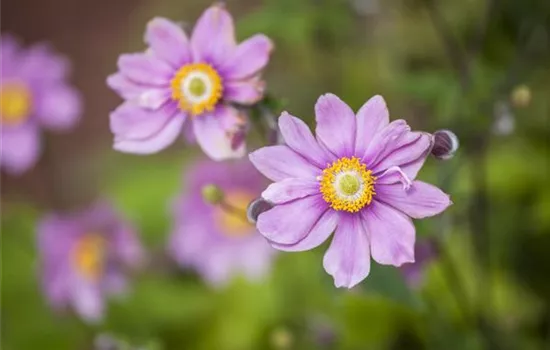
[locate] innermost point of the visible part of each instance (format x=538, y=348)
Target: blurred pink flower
x=34, y=94
x=197, y=79
x=424, y=252
x=217, y=240
x=356, y=177
x=84, y=257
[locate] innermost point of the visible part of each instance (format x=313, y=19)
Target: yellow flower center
x=197, y=87
x=347, y=185
x=230, y=216
x=89, y=256
x=15, y=103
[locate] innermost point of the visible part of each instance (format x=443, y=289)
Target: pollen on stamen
x=347, y=185
x=199, y=98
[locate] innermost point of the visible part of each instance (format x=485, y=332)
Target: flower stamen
x=197, y=87
x=89, y=255
x=347, y=185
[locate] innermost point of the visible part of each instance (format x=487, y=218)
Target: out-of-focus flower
x=217, y=240
x=357, y=177
x=281, y=339
x=424, y=252
x=34, y=94
x=504, y=120
x=180, y=80
x=445, y=144
x=323, y=332
x=85, y=257
x=521, y=96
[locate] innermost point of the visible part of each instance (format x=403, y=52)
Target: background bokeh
x=479, y=68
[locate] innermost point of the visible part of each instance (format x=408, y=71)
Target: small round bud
x=281, y=339
x=212, y=194
x=445, y=144
x=255, y=208
x=521, y=96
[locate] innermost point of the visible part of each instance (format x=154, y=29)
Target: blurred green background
x=479, y=68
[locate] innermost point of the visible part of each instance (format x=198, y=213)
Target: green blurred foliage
x=330, y=46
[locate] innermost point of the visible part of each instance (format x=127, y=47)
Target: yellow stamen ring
x=197, y=87
x=89, y=255
x=347, y=185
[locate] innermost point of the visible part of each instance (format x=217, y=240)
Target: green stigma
x=349, y=184
x=197, y=87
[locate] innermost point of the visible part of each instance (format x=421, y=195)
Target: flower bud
x=521, y=96
x=445, y=144
x=212, y=194
x=255, y=208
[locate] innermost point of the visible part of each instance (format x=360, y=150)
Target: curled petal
x=394, y=175
x=411, y=147
x=215, y=133
x=335, y=125
x=280, y=162
x=392, y=234
x=318, y=234
x=144, y=68
x=168, y=41
x=124, y=87
x=282, y=225
x=384, y=142
x=142, y=131
x=348, y=257
x=153, y=98
x=290, y=189
x=419, y=201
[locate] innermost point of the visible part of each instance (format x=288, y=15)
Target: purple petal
x=419, y=201
x=59, y=107
x=244, y=92
x=280, y=162
x=213, y=37
x=87, y=301
x=20, y=148
x=348, y=258
x=298, y=137
x=168, y=41
x=290, y=222
x=290, y=189
x=143, y=132
x=9, y=48
x=392, y=176
x=392, y=234
x=318, y=234
x=335, y=125
x=214, y=133
x=371, y=118
x=41, y=63
x=144, y=68
x=129, y=121
x=126, y=88
x=154, y=98
x=411, y=147
x=384, y=142
x=250, y=57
